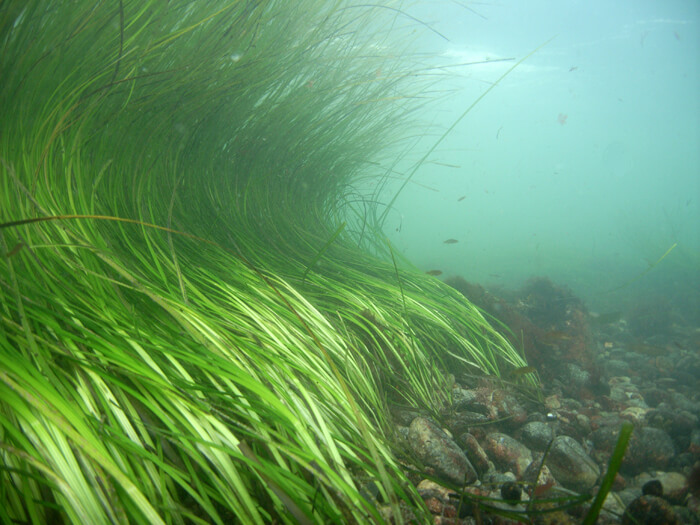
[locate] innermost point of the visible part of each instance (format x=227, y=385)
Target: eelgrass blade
x=614, y=464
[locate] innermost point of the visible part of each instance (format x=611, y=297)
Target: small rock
x=683, y=403
x=650, y=510
x=673, y=485
x=552, y=402
x=653, y=487
x=687, y=516
x=511, y=492
x=576, y=376
x=463, y=421
x=624, y=392
x=544, y=475
x=435, y=449
x=634, y=414
x=536, y=435
x=494, y=477
x=616, y=368
x=429, y=488
x=508, y=407
x=694, y=447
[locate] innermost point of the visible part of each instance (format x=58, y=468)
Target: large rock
x=436, y=450
x=477, y=456
x=508, y=453
x=570, y=464
x=648, y=448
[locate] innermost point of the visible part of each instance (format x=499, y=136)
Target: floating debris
x=451, y=241
x=446, y=164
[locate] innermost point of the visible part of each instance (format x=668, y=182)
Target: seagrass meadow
x=200, y=320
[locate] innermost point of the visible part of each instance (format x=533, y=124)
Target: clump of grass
x=195, y=338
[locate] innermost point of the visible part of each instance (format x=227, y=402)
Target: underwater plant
x=189, y=332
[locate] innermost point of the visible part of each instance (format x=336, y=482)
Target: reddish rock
x=508, y=453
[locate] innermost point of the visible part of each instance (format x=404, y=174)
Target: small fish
x=573, y=68
x=519, y=372
x=555, y=336
x=451, y=241
x=606, y=318
x=434, y=272
x=15, y=250
x=461, y=198
x=645, y=349
x=542, y=489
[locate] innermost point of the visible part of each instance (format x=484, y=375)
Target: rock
x=494, y=478
x=507, y=406
x=544, y=476
x=462, y=399
x=624, y=392
x=508, y=453
x=497, y=404
x=436, y=450
x=437, y=498
x=634, y=414
x=616, y=368
x=536, y=435
x=552, y=402
x=461, y=422
x=576, y=378
x=673, y=485
x=649, y=448
x=404, y=416
x=650, y=510
x=694, y=447
x=653, y=487
x=475, y=453
x=675, y=421
x=511, y=492
x=687, y=516
x=683, y=403
x=653, y=396
x=613, y=507
x=570, y=464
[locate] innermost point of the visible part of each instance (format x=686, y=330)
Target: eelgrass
x=241, y=371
